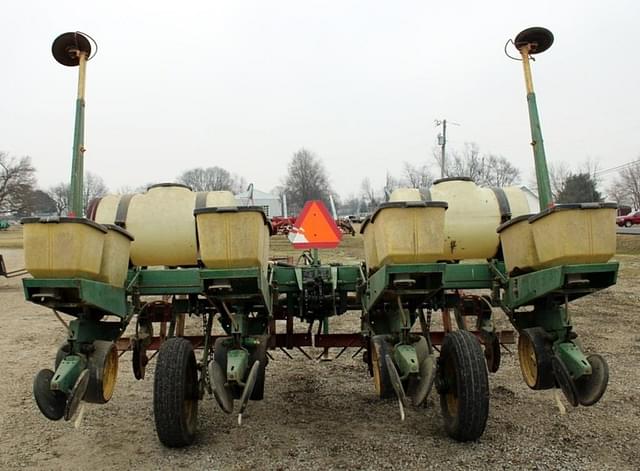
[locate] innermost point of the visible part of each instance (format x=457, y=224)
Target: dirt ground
x=324, y=415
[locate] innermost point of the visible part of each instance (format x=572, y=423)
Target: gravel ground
x=324, y=415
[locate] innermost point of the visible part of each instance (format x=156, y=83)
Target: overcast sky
x=244, y=84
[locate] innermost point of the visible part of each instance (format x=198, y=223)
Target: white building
x=532, y=199
x=269, y=203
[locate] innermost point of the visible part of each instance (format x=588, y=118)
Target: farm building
x=270, y=203
x=532, y=199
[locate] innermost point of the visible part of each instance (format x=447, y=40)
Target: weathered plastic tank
x=232, y=237
x=161, y=221
x=473, y=216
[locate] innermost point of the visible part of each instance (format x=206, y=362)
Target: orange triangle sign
x=315, y=228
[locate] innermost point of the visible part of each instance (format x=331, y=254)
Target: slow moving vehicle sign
x=315, y=228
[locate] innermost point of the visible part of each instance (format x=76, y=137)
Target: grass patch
x=350, y=250
x=11, y=238
x=628, y=244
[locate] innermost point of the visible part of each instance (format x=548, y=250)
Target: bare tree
x=499, y=171
x=558, y=174
x=368, y=194
x=625, y=189
x=416, y=176
x=391, y=183
x=17, y=181
x=618, y=193
x=485, y=170
x=60, y=196
x=129, y=189
x=306, y=180
x=590, y=166
x=212, y=179
x=465, y=163
x=94, y=187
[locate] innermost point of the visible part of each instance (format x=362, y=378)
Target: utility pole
x=442, y=142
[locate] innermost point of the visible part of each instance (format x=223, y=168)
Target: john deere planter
x=149, y=260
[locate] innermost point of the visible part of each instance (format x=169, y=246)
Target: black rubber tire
x=103, y=372
x=259, y=354
x=544, y=378
x=382, y=381
x=463, y=386
x=628, y=224
x=175, y=393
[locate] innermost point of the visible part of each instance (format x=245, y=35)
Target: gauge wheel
x=175, y=393
x=463, y=384
x=103, y=372
x=381, y=378
x=534, y=355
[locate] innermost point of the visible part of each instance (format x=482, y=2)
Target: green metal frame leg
x=67, y=373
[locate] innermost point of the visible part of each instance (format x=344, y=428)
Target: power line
x=618, y=167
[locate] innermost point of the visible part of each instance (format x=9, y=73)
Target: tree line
x=307, y=178
x=20, y=196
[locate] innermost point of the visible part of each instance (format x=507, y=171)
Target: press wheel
x=535, y=354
